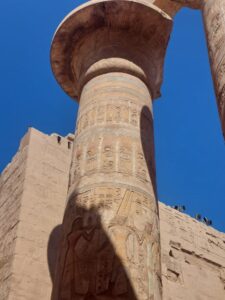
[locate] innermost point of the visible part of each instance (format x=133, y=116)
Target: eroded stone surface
x=110, y=55
x=193, y=258
x=11, y=189
x=193, y=255
x=33, y=191
x=100, y=30
x=214, y=20
x=111, y=238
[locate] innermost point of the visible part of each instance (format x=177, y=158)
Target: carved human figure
x=132, y=227
x=92, y=270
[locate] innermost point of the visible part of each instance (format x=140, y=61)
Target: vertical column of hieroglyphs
x=214, y=20
x=112, y=249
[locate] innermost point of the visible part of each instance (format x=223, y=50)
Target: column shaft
x=111, y=234
x=214, y=16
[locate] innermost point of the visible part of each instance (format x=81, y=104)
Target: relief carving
x=110, y=113
x=92, y=116
x=215, y=25
x=108, y=157
x=221, y=101
x=101, y=114
x=220, y=74
x=91, y=158
x=78, y=158
x=91, y=268
x=103, y=254
x=174, y=272
x=125, y=113
x=125, y=164
x=134, y=116
x=117, y=114
x=141, y=169
x=133, y=225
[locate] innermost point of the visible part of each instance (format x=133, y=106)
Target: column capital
x=109, y=36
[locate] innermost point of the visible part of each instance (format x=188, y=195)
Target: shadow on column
x=147, y=140
x=53, y=246
x=88, y=267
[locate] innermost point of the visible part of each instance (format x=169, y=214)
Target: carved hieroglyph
x=110, y=55
x=214, y=20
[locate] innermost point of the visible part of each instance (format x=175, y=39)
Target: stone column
x=214, y=20
x=109, y=54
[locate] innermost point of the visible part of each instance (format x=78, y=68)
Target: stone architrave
x=109, y=55
x=214, y=20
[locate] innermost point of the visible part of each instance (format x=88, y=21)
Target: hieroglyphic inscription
x=108, y=155
x=112, y=154
x=221, y=102
x=109, y=245
x=125, y=162
x=100, y=114
x=103, y=113
x=91, y=157
x=110, y=197
x=78, y=159
x=141, y=170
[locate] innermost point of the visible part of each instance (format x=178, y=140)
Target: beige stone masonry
x=193, y=258
x=32, y=197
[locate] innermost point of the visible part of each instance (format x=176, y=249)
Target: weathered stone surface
x=112, y=211
x=193, y=258
x=101, y=36
x=32, y=198
x=214, y=16
x=110, y=55
x=193, y=254
x=11, y=190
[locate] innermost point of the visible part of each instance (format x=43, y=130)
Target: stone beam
x=109, y=56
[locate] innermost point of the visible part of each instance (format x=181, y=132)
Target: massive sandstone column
x=214, y=20
x=109, y=55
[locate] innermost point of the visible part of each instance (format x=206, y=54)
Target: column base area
x=110, y=248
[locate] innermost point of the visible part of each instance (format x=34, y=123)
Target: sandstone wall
x=34, y=195
x=193, y=258
x=11, y=190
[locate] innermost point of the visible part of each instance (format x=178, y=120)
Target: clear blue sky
x=190, y=150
